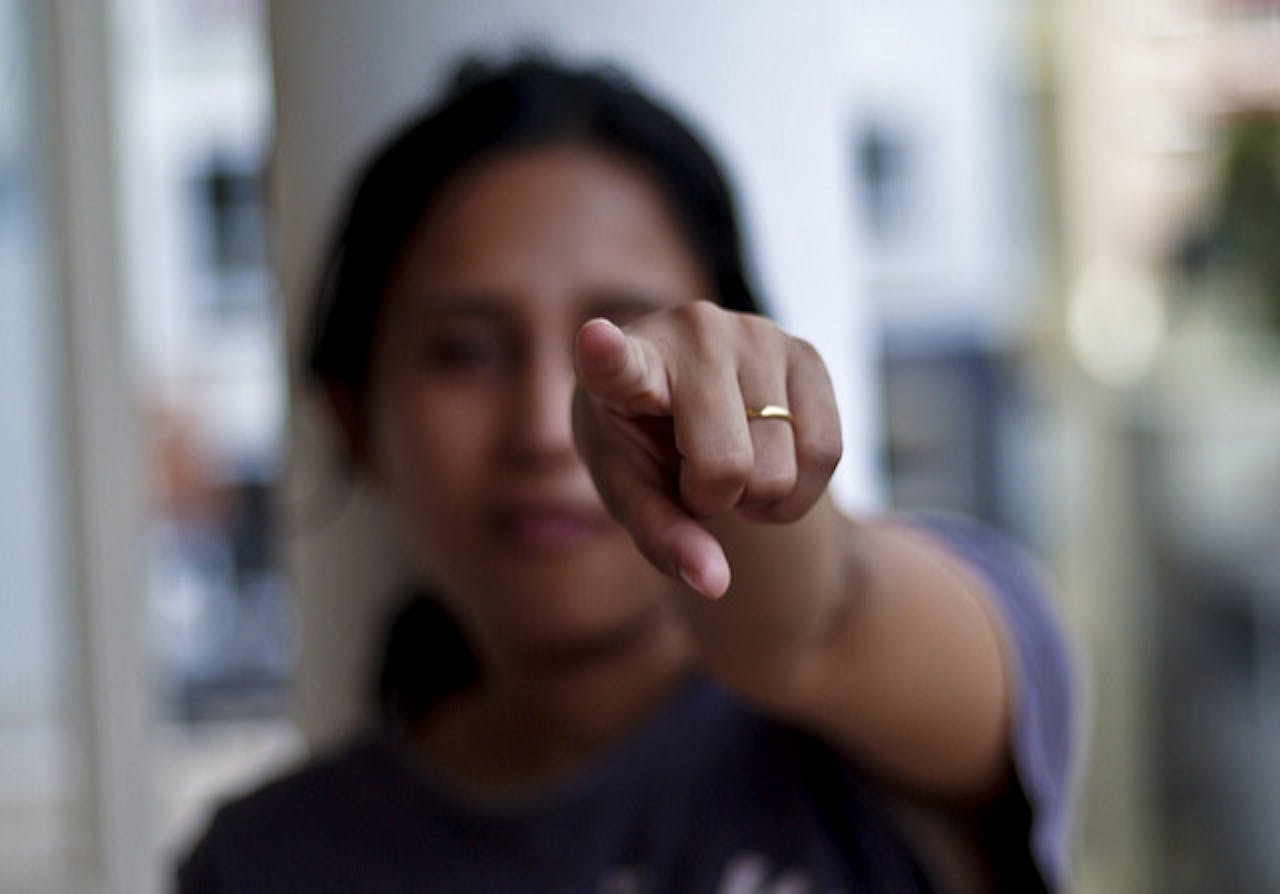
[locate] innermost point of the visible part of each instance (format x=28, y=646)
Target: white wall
x=765, y=81
x=953, y=78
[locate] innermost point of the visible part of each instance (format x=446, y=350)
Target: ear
x=348, y=416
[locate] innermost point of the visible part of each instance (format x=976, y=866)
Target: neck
x=536, y=718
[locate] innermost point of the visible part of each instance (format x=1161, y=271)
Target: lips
x=548, y=525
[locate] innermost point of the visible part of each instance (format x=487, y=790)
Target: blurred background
x=1038, y=241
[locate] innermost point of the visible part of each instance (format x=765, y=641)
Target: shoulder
x=292, y=813
x=1042, y=653
x=1032, y=821
x=327, y=777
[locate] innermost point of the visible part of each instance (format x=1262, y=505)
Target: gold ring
x=770, y=411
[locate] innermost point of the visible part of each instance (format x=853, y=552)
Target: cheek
x=432, y=447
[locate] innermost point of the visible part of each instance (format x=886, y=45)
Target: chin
x=579, y=612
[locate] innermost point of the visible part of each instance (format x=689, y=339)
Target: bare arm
x=867, y=633
x=872, y=635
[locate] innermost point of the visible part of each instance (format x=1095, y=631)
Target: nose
x=540, y=432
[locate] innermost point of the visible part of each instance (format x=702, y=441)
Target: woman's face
x=470, y=438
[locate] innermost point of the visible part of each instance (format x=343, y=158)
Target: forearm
x=872, y=635
x=787, y=584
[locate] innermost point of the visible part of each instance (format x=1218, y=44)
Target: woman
x=670, y=663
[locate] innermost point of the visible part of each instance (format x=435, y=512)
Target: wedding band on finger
x=770, y=411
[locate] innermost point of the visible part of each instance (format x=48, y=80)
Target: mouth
x=549, y=526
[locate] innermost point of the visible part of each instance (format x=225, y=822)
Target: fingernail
x=700, y=586
x=601, y=321
x=690, y=582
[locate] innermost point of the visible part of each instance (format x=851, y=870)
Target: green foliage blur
x=1239, y=242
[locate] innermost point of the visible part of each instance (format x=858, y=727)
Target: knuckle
x=822, y=452
x=789, y=511
x=758, y=338
x=805, y=349
x=703, y=323
x=729, y=469
x=774, y=478
x=702, y=312
x=770, y=487
x=761, y=331
x=724, y=473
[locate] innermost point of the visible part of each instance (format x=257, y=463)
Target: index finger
x=623, y=371
x=662, y=530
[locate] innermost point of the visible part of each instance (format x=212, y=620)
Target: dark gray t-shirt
x=710, y=797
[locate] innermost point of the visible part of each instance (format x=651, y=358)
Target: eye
x=463, y=352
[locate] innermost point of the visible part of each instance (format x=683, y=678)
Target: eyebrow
x=623, y=303
x=458, y=304
x=484, y=306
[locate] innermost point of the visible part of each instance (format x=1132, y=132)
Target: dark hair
x=487, y=110
x=530, y=102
